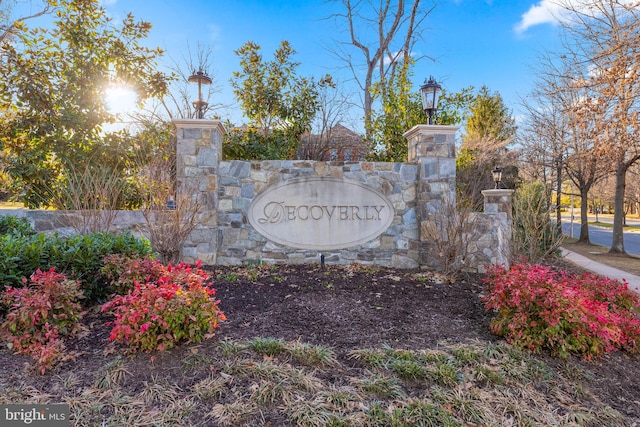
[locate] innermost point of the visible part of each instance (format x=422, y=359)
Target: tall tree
x=384, y=33
x=279, y=104
x=559, y=133
x=490, y=128
x=606, y=36
x=543, y=136
x=52, y=84
x=633, y=192
x=489, y=118
x=400, y=110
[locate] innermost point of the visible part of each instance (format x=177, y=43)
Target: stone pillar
x=433, y=148
x=498, y=207
x=499, y=200
x=198, y=155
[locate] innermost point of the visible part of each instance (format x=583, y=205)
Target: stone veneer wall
x=417, y=189
x=241, y=181
x=49, y=222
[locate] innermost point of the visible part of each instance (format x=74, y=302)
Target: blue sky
x=466, y=42
x=470, y=42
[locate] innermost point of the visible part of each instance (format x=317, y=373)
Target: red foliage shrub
x=41, y=314
x=538, y=308
x=122, y=271
x=178, y=306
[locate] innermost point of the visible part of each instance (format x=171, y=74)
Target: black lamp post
x=202, y=79
x=430, y=91
x=497, y=176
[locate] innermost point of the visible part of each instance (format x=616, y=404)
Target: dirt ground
x=352, y=308
x=342, y=308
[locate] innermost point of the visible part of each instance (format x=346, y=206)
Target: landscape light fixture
x=430, y=91
x=202, y=79
x=497, y=176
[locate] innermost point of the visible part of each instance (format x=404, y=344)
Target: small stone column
x=498, y=207
x=499, y=200
x=433, y=148
x=198, y=155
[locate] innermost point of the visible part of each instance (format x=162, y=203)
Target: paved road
x=602, y=236
x=601, y=218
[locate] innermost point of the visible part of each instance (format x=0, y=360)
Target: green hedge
x=79, y=257
x=15, y=226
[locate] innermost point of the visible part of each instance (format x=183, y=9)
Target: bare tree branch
x=392, y=20
x=7, y=29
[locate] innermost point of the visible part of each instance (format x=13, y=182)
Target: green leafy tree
x=489, y=118
x=401, y=109
x=454, y=107
x=490, y=128
x=279, y=104
x=52, y=84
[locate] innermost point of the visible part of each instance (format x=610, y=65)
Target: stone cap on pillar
x=430, y=130
x=498, y=200
x=199, y=124
x=499, y=192
x=430, y=141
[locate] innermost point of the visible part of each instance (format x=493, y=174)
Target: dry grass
x=93, y=194
x=11, y=205
x=451, y=231
x=456, y=385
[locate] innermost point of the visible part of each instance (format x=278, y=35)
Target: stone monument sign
x=321, y=213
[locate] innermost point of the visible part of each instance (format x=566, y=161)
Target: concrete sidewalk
x=601, y=269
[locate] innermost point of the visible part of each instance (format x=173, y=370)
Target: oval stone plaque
x=320, y=213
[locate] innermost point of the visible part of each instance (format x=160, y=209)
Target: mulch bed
x=343, y=308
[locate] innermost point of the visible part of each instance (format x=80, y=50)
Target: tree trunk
x=559, y=195
x=617, y=241
x=368, y=107
x=584, y=215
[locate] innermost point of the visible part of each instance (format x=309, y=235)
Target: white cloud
x=397, y=56
x=545, y=12
x=550, y=12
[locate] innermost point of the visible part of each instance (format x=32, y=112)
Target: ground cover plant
x=307, y=346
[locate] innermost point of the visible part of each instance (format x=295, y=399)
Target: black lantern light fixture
x=430, y=92
x=202, y=79
x=497, y=176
